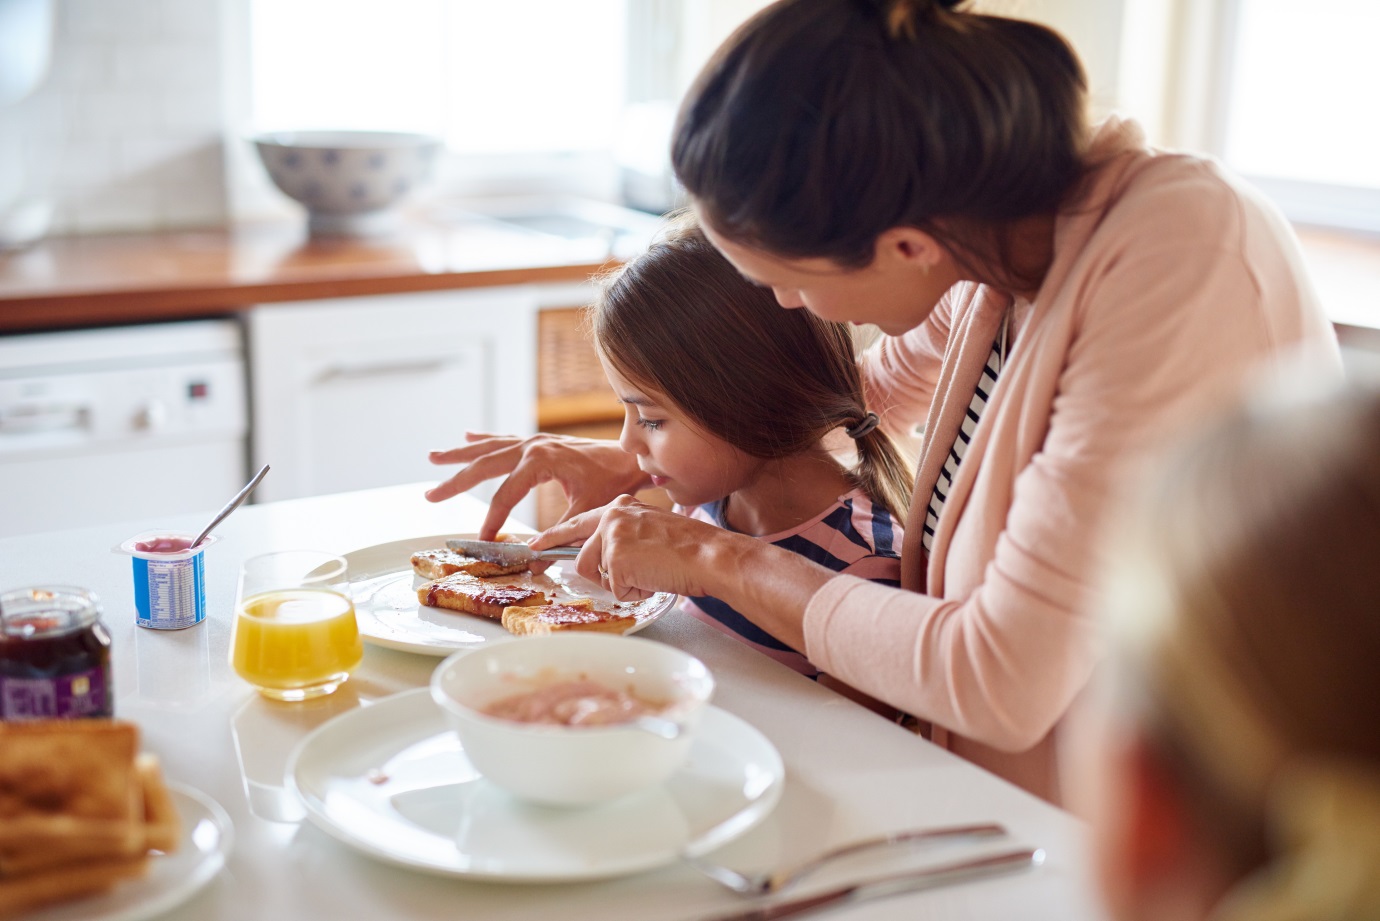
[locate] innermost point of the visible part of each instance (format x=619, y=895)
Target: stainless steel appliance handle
x=27, y=418
x=383, y=369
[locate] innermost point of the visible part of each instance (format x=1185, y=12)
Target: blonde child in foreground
x=728, y=399
x=1240, y=771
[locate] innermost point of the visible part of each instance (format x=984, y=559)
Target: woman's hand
x=635, y=550
x=590, y=472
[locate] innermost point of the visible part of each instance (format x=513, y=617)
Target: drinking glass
x=295, y=635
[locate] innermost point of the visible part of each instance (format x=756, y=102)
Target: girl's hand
x=590, y=472
x=635, y=550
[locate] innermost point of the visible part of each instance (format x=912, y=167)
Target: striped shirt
x=986, y=384
x=851, y=536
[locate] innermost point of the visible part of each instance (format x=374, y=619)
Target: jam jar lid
x=46, y=610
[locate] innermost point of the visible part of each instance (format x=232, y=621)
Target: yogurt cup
x=169, y=579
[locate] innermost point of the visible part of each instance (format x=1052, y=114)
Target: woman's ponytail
x=900, y=15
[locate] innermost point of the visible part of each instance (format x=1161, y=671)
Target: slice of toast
x=559, y=618
x=162, y=824
x=470, y=595
x=437, y=564
x=68, y=785
x=79, y=802
x=26, y=892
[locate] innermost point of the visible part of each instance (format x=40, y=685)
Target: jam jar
x=54, y=655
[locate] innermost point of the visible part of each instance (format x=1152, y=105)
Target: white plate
x=389, y=614
x=392, y=781
x=207, y=837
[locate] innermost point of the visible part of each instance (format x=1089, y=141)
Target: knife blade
x=884, y=886
x=507, y=553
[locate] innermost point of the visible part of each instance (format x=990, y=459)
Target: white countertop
x=849, y=773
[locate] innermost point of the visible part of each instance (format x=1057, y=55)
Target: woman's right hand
x=591, y=472
x=635, y=550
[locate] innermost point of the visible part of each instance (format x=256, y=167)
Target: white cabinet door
x=352, y=393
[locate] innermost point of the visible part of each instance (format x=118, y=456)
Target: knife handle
x=557, y=553
x=883, y=887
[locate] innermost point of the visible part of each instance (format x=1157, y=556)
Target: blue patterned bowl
x=348, y=180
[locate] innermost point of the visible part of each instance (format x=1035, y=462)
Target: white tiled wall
x=126, y=131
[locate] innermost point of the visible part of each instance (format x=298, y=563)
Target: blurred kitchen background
x=167, y=323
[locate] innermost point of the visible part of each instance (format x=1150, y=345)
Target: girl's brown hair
x=1258, y=617
x=681, y=321
x=821, y=124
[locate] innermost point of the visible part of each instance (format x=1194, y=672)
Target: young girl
x=1240, y=777
x=728, y=399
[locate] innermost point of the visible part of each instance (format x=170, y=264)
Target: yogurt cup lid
x=141, y=545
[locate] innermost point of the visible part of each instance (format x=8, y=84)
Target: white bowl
x=572, y=765
x=24, y=223
x=348, y=180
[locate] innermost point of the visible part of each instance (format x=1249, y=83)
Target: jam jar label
x=62, y=697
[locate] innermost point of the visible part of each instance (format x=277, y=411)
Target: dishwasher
x=131, y=423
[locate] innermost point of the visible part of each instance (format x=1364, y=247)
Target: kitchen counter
x=140, y=277
x=127, y=278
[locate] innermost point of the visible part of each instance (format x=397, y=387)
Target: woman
x=1060, y=297
x=1241, y=760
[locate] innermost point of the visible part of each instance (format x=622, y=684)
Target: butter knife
x=506, y=553
x=884, y=886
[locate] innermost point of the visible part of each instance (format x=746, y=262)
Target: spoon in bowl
x=230, y=506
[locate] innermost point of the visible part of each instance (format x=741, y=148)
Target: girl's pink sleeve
x=900, y=373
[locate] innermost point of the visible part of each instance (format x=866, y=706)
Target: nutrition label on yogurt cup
x=176, y=593
x=169, y=579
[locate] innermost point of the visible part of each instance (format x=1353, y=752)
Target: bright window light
x=1305, y=92
x=538, y=76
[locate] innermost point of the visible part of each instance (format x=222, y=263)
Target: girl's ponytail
x=882, y=471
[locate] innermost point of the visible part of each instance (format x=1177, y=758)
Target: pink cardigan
x=1170, y=282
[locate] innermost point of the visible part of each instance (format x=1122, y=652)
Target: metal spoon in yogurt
x=230, y=506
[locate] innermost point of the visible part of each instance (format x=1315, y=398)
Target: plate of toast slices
x=92, y=829
x=417, y=596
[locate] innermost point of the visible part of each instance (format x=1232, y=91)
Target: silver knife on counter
x=881, y=887
x=506, y=553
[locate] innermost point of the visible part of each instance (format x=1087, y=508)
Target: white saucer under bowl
x=392, y=781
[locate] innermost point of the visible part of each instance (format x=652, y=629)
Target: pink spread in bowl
x=577, y=701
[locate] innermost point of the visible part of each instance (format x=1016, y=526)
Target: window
x=539, y=76
x=1301, y=112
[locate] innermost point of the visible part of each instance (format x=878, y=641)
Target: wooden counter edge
x=66, y=309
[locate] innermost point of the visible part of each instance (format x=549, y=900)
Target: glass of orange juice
x=295, y=635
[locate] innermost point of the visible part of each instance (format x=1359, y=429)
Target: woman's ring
x=603, y=573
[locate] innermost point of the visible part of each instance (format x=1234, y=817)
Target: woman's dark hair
x=681, y=321
x=820, y=124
